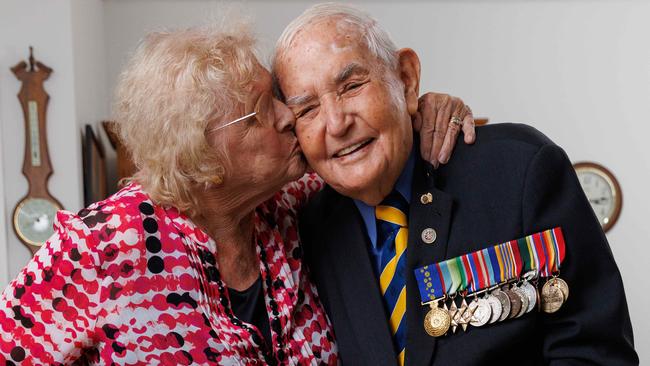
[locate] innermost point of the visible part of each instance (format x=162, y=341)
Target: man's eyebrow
x=349, y=70
x=299, y=99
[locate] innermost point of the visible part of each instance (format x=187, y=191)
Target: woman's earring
x=217, y=180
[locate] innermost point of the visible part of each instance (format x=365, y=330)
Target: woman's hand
x=439, y=119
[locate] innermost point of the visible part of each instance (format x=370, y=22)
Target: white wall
x=89, y=57
x=67, y=35
x=46, y=26
x=577, y=70
x=4, y=260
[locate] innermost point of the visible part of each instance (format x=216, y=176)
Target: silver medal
x=505, y=303
x=524, y=301
x=495, y=304
x=482, y=313
x=531, y=293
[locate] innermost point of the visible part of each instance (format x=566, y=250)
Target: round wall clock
x=602, y=190
x=35, y=213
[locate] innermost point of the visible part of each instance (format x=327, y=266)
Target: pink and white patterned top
x=128, y=282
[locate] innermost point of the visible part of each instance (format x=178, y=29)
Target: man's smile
x=351, y=149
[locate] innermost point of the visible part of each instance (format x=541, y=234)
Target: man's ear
x=409, y=71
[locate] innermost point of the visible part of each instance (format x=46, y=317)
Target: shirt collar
x=403, y=186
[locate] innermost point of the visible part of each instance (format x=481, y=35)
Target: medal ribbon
x=465, y=275
x=450, y=271
x=541, y=252
x=479, y=267
x=470, y=266
x=559, y=245
x=431, y=282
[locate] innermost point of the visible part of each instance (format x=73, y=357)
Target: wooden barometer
x=34, y=214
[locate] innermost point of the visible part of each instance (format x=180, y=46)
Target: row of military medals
x=509, y=301
x=538, y=254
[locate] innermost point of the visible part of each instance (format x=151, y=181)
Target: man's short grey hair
x=374, y=36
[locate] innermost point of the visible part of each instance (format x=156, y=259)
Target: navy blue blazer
x=512, y=182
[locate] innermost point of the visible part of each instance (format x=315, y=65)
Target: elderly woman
x=197, y=260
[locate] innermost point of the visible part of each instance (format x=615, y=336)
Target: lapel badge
x=429, y=235
x=426, y=198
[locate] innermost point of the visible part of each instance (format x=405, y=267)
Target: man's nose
x=284, y=119
x=337, y=120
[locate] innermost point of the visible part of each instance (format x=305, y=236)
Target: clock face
x=33, y=220
x=602, y=191
x=600, y=195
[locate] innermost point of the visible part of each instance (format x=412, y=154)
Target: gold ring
x=456, y=120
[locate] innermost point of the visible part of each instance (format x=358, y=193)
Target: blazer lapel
x=360, y=289
x=435, y=215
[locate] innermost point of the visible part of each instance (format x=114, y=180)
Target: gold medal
x=552, y=297
x=437, y=321
x=562, y=285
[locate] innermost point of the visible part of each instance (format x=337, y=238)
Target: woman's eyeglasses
x=263, y=112
x=232, y=122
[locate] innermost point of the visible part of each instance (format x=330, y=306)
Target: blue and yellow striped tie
x=392, y=237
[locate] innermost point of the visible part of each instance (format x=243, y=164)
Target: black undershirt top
x=248, y=306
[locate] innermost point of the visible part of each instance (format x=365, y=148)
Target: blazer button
x=429, y=235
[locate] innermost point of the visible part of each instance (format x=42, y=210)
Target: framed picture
x=94, y=166
x=124, y=163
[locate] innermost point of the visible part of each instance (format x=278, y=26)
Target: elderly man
x=354, y=95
